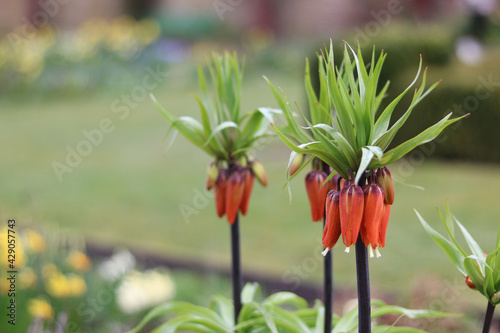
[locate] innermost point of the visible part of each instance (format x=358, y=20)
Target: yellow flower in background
x=40, y=308
x=57, y=285
x=147, y=31
x=121, y=36
x=49, y=270
x=4, y=286
x=93, y=30
x=77, y=286
x=27, y=278
x=63, y=286
x=19, y=258
x=79, y=261
x=34, y=241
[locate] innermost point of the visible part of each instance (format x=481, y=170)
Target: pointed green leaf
x=366, y=158
x=474, y=273
x=456, y=257
x=346, y=147
x=427, y=135
x=189, y=133
x=384, y=119
x=381, y=96
x=250, y=292
x=221, y=127
x=449, y=224
x=286, y=298
x=473, y=245
x=498, y=239
x=205, y=120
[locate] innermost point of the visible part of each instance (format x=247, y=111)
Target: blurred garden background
x=86, y=170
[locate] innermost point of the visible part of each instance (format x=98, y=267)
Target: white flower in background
x=139, y=291
x=116, y=266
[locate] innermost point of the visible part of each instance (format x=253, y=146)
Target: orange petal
x=372, y=215
x=351, y=213
x=332, y=230
x=384, y=179
x=220, y=193
x=248, y=179
x=234, y=195
x=383, y=224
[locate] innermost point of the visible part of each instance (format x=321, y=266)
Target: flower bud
x=383, y=224
x=372, y=215
x=234, y=195
x=332, y=230
x=384, y=179
x=297, y=162
x=248, y=177
x=316, y=193
x=495, y=298
x=259, y=172
x=469, y=282
x=344, y=182
x=332, y=183
x=212, y=175
x=220, y=192
x=351, y=213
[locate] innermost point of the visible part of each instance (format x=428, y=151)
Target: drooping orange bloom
x=384, y=179
x=351, y=213
x=220, y=192
x=383, y=224
x=234, y=194
x=316, y=193
x=333, y=182
x=372, y=216
x=249, y=178
x=332, y=230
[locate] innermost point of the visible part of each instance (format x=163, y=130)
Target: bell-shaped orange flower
x=248, y=178
x=384, y=179
x=383, y=224
x=372, y=216
x=333, y=183
x=234, y=194
x=316, y=193
x=351, y=213
x=469, y=282
x=220, y=192
x=332, y=230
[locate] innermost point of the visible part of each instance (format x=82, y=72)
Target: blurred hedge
x=473, y=138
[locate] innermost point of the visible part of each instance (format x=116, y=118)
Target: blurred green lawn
x=130, y=190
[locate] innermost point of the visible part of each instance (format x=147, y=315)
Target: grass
x=131, y=191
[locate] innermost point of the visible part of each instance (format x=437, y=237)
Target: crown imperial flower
x=351, y=213
x=384, y=179
x=332, y=231
x=316, y=193
x=372, y=216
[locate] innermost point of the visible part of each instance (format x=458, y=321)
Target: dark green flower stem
x=363, y=277
x=328, y=276
x=488, y=318
x=236, y=268
x=328, y=288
